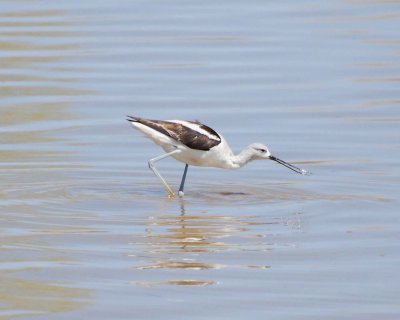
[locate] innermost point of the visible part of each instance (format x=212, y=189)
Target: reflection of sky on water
x=29, y=152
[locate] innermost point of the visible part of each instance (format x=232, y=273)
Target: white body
x=220, y=156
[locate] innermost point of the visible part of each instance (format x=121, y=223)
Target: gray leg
x=183, y=181
x=153, y=168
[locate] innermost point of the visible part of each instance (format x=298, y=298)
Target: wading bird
x=196, y=144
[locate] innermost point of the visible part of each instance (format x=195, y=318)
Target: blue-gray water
x=86, y=230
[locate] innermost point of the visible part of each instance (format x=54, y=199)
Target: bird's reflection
x=193, y=233
x=197, y=240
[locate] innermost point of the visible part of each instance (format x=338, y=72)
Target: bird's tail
x=133, y=119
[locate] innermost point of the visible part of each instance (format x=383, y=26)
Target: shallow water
x=86, y=229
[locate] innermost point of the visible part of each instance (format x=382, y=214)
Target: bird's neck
x=242, y=158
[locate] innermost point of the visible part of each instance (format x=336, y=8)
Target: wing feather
x=186, y=134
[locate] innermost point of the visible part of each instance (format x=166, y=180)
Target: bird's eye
x=261, y=150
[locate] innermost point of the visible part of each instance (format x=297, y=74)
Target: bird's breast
x=210, y=158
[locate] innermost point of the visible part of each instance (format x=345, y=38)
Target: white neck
x=242, y=158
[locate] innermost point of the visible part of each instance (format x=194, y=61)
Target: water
x=86, y=229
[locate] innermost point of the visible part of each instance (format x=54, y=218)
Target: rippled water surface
x=86, y=229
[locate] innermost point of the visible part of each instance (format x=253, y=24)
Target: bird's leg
x=183, y=181
x=153, y=168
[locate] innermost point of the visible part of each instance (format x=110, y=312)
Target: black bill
x=290, y=166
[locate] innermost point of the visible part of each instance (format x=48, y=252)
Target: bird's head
x=259, y=151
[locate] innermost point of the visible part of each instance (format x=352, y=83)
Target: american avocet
x=193, y=143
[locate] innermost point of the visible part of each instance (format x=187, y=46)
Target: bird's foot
x=171, y=195
x=181, y=194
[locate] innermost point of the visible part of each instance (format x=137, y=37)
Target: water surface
x=87, y=230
